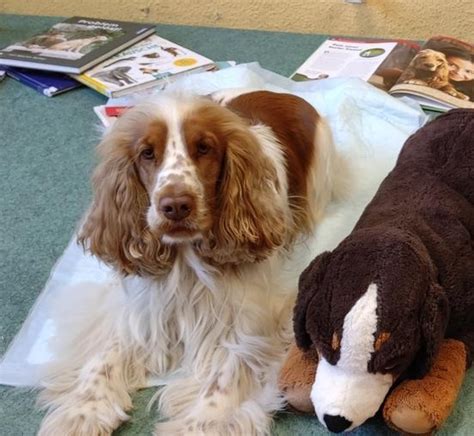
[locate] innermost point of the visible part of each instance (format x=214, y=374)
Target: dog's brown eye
x=147, y=154
x=202, y=148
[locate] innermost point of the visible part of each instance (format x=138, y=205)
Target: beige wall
x=415, y=19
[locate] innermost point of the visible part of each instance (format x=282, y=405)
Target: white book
x=154, y=62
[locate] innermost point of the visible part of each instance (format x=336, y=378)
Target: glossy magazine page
x=442, y=73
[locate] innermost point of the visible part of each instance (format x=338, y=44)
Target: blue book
x=48, y=83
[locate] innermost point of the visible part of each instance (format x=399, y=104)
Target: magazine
x=74, y=45
x=400, y=67
x=153, y=62
x=378, y=61
x=440, y=76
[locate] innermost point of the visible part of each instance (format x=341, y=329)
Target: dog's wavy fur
x=212, y=314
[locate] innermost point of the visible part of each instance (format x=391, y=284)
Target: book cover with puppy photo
x=74, y=45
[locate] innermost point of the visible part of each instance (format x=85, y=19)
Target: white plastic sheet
x=369, y=128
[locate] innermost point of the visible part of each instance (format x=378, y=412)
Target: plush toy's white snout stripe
x=347, y=390
x=360, y=326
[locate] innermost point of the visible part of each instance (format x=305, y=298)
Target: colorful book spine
x=94, y=84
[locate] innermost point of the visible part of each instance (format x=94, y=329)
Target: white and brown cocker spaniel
x=198, y=202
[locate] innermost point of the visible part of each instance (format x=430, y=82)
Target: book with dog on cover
x=74, y=45
x=152, y=62
x=439, y=74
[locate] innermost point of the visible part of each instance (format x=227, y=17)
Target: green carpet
x=46, y=156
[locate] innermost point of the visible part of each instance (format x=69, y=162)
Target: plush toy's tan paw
x=411, y=421
x=422, y=406
x=297, y=378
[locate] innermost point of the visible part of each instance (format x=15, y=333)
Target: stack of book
x=115, y=58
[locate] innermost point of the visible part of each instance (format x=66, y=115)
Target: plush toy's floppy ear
x=434, y=319
x=310, y=281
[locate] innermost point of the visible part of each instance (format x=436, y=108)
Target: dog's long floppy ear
x=443, y=70
x=433, y=322
x=309, y=284
x=115, y=227
x=251, y=218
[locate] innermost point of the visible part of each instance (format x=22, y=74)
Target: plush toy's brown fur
x=296, y=379
x=415, y=241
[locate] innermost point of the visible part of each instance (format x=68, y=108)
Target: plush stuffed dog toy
x=393, y=304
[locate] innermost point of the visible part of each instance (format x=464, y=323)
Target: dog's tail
x=331, y=177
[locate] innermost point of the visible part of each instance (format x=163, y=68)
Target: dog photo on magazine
x=442, y=71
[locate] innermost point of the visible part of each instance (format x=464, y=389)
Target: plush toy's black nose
x=336, y=423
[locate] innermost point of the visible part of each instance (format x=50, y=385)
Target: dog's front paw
x=415, y=82
x=248, y=419
x=457, y=94
x=88, y=419
x=197, y=427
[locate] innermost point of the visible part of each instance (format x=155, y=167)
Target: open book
x=439, y=74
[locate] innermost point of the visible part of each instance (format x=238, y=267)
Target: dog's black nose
x=336, y=423
x=176, y=208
